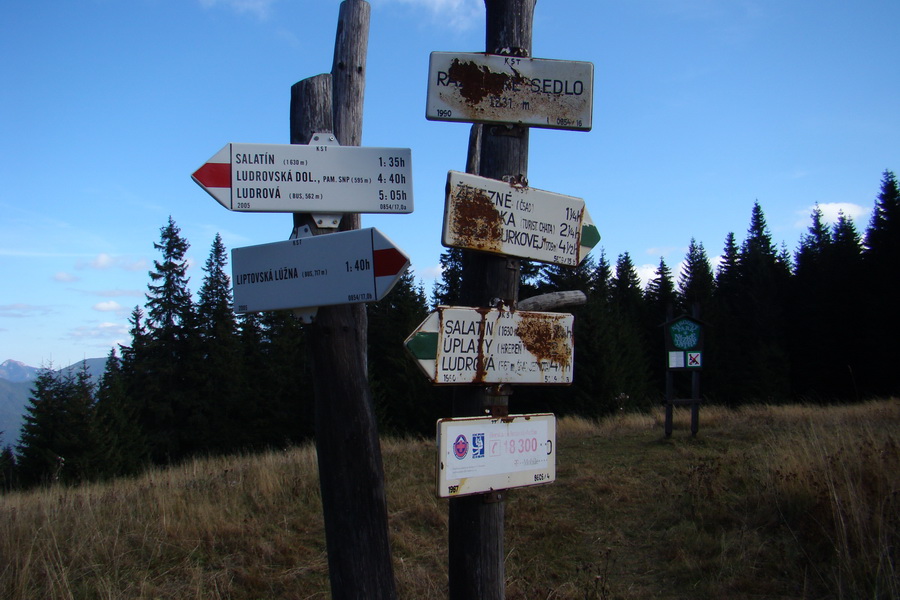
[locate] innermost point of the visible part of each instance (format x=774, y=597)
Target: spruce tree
x=660, y=303
x=8, y=480
x=120, y=449
x=172, y=413
x=219, y=373
x=405, y=401
x=881, y=259
x=764, y=372
x=696, y=282
x=38, y=453
x=447, y=287
x=56, y=442
x=629, y=366
x=727, y=353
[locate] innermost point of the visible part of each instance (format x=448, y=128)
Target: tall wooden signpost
x=497, y=220
x=325, y=184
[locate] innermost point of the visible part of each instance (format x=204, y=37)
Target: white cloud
x=65, y=277
x=101, y=330
x=104, y=261
x=830, y=210
x=108, y=306
x=646, y=273
x=20, y=310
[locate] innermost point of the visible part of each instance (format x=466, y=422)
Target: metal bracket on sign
x=325, y=221
x=306, y=314
x=300, y=232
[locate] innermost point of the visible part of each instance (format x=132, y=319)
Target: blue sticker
x=478, y=445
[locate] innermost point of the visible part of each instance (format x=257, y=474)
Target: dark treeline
x=816, y=325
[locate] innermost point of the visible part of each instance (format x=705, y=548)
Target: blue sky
x=701, y=107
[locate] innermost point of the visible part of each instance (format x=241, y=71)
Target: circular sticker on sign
x=460, y=447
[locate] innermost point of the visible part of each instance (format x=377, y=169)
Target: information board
x=483, y=454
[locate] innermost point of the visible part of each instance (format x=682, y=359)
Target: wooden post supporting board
x=351, y=472
x=476, y=522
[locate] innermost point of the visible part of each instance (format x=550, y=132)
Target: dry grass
x=767, y=502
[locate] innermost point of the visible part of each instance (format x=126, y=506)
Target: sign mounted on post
x=458, y=345
x=483, y=454
x=497, y=217
x=341, y=268
x=491, y=88
x=684, y=343
x=320, y=177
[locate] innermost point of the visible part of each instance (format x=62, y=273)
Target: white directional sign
x=341, y=268
x=490, y=88
x=319, y=177
x=483, y=454
x=456, y=345
x=495, y=216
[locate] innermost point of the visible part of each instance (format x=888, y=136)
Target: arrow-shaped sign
x=320, y=177
x=501, y=218
x=340, y=268
x=456, y=345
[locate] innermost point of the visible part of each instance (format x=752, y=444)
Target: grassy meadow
x=767, y=502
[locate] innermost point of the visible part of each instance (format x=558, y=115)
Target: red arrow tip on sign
x=214, y=175
x=388, y=261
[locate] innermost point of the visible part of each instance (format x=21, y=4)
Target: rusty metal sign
x=491, y=88
x=460, y=345
x=485, y=454
x=501, y=218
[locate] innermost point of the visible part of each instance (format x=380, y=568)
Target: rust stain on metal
x=480, y=363
x=475, y=222
x=545, y=338
x=477, y=82
x=497, y=94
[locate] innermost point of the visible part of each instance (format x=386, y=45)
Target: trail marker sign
x=484, y=454
x=459, y=345
x=315, y=178
x=361, y=265
x=490, y=88
x=497, y=217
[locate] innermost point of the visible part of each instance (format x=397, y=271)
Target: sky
x=701, y=108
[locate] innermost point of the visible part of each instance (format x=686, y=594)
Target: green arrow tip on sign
x=423, y=345
x=590, y=235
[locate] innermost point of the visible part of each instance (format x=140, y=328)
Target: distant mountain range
x=16, y=381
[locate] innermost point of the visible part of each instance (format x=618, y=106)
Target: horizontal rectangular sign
x=491, y=88
x=494, y=216
x=458, y=345
x=483, y=454
x=339, y=268
x=321, y=178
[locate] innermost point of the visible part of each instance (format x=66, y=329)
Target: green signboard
x=684, y=343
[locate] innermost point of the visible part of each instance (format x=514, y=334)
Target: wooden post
x=351, y=473
x=476, y=522
x=670, y=399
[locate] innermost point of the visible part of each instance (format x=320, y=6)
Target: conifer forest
x=816, y=324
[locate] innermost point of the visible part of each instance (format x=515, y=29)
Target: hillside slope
x=768, y=502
